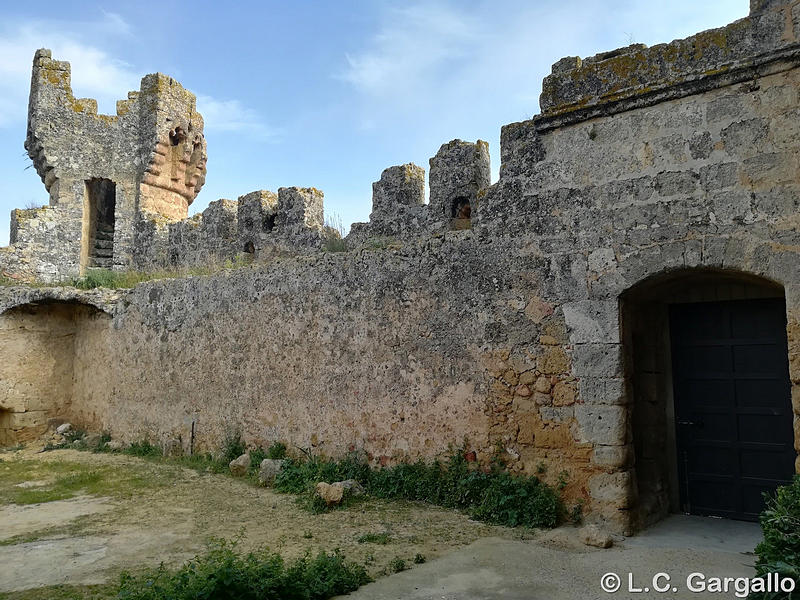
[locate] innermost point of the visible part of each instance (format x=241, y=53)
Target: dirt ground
x=73, y=518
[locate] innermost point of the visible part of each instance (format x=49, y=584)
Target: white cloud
x=414, y=44
x=458, y=57
x=233, y=116
x=95, y=73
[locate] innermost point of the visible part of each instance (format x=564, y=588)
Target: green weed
x=143, y=449
x=496, y=497
x=397, y=564
x=779, y=552
x=224, y=572
x=277, y=451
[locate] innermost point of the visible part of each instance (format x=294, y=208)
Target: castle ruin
x=621, y=310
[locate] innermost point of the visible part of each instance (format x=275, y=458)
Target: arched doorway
x=706, y=361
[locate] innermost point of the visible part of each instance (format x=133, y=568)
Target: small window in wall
x=461, y=214
x=102, y=202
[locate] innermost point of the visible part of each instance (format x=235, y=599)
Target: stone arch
x=46, y=350
x=663, y=444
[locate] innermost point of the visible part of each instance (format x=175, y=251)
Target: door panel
x=732, y=404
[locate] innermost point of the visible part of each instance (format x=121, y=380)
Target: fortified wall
x=537, y=317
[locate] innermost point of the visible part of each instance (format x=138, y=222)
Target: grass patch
x=375, y=538
x=225, y=572
x=12, y=448
x=66, y=480
x=333, y=233
x=495, y=497
x=111, y=279
x=63, y=488
x=143, y=449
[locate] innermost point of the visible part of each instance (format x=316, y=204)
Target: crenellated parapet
x=459, y=179
x=257, y=225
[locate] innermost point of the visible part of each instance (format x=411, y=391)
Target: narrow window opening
x=461, y=214
x=176, y=136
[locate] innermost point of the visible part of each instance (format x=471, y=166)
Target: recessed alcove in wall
x=707, y=372
x=460, y=213
x=38, y=366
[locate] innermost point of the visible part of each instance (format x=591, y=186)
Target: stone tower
x=105, y=174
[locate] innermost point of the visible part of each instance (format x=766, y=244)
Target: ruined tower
x=105, y=174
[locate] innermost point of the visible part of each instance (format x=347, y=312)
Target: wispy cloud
x=233, y=116
x=460, y=58
x=413, y=46
x=96, y=73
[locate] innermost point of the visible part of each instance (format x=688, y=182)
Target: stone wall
x=512, y=334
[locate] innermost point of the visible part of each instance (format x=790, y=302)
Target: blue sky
x=322, y=94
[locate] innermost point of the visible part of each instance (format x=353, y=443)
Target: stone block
x=606, y=425
x=676, y=183
x=612, y=489
x=615, y=457
x=255, y=217
x=300, y=217
x=593, y=535
x=268, y=470
x=240, y=466
x=400, y=185
x=591, y=321
x=553, y=361
x=597, y=360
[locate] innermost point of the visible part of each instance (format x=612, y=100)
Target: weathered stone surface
x=351, y=487
x=330, y=493
x=152, y=153
x=637, y=70
x=91, y=439
x=592, y=321
x=268, y=470
x=459, y=179
x=337, y=491
x=592, y=535
x=240, y=466
x=530, y=331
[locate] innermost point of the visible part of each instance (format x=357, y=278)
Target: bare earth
x=149, y=512
x=89, y=540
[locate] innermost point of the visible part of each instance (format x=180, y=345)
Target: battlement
x=459, y=180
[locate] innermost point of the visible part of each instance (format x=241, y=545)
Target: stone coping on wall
x=639, y=74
